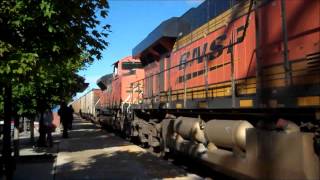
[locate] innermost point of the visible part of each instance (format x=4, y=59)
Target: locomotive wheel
x=117, y=121
x=127, y=129
x=129, y=117
x=121, y=122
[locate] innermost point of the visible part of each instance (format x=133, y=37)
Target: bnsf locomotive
x=234, y=84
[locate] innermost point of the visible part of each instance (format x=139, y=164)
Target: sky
x=131, y=21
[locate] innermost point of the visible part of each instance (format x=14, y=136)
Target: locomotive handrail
x=165, y=93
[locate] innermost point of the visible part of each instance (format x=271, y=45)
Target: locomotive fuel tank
x=227, y=133
x=263, y=153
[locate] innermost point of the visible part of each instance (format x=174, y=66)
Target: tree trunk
x=16, y=134
x=24, y=121
x=42, y=132
x=6, y=151
x=32, y=130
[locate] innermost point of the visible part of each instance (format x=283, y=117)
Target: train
x=234, y=84
x=87, y=104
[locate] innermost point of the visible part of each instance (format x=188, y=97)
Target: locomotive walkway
x=92, y=153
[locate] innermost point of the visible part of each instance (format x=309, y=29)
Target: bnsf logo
x=216, y=48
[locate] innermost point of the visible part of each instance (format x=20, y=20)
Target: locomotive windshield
x=131, y=65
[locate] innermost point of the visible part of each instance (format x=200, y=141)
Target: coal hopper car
x=87, y=105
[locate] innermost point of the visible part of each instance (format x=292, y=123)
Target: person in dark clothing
x=70, y=116
x=48, y=119
x=45, y=118
x=64, y=114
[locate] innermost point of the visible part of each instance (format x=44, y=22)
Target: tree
x=43, y=44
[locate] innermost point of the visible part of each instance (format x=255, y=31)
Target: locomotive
x=232, y=83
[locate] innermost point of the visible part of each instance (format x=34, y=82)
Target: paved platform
x=35, y=162
x=92, y=153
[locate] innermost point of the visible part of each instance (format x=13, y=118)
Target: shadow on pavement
x=86, y=132
x=121, y=165
x=92, y=153
x=35, y=167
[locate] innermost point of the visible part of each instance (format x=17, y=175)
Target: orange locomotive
x=232, y=83
x=117, y=96
x=226, y=61
x=216, y=65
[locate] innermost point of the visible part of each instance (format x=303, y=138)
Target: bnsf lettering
x=240, y=36
x=204, y=51
x=216, y=48
x=196, y=53
x=184, y=59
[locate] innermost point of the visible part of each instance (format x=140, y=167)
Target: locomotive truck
x=232, y=83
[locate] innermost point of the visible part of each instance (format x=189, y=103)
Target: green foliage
x=44, y=44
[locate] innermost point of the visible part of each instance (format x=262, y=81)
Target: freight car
x=235, y=84
x=87, y=104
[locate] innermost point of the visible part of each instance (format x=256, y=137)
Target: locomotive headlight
x=140, y=101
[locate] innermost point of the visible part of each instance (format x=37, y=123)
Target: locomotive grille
x=313, y=62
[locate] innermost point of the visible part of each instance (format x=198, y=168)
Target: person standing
x=47, y=120
x=70, y=116
x=64, y=114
